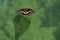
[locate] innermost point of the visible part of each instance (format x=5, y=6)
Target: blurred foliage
x=21, y=24
x=45, y=23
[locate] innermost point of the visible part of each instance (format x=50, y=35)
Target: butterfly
x=25, y=11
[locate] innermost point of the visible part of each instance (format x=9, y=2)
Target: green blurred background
x=45, y=22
